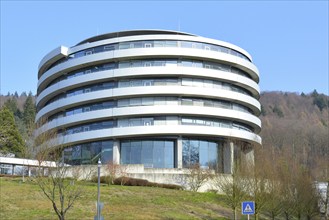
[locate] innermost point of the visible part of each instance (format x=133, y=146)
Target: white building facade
x=163, y=99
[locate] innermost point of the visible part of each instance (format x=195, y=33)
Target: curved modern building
x=164, y=99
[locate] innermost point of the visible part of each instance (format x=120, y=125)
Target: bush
x=170, y=186
x=128, y=181
x=102, y=179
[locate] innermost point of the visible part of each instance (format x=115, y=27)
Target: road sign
x=248, y=208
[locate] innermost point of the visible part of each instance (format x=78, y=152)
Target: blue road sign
x=248, y=208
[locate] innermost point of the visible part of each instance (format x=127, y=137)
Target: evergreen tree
x=29, y=112
x=11, y=105
x=10, y=138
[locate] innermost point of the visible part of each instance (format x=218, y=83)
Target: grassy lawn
x=25, y=201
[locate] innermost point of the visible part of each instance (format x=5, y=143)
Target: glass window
x=138, y=44
x=197, y=64
x=136, y=150
x=212, y=155
x=76, y=152
x=148, y=45
x=123, y=123
x=171, y=43
x=125, y=45
x=123, y=102
x=107, y=152
x=109, y=47
x=159, y=100
x=147, y=153
x=158, y=152
x=135, y=101
x=124, y=64
x=186, y=63
x=186, y=44
x=204, y=153
x=198, y=82
x=159, y=43
x=203, y=160
x=194, y=151
x=187, y=102
x=147, y=101
x=135, y=82
x=171, y=63
x=208, y=103
x=147, y=121
x=109, y=104
x=148, y=82
x=172, y=101
x=85, y=153
x=135, y=122
x=125, y=152
x=169, y=154
x=171, y=120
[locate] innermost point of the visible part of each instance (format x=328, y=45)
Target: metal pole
x=248, y=217
x=98, y=192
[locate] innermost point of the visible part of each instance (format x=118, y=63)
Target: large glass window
x=203, y=153
x=89, y=153
x=151, y=153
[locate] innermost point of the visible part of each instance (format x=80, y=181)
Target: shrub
x=103, y=179
x=128, y=181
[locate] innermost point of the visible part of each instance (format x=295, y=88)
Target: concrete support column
x=228, y=154
x=116, y=152
x=249, y=156
x=13, y=169
x=29, y=170
x=179, y=152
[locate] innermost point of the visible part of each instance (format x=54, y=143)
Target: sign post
x=248, y=208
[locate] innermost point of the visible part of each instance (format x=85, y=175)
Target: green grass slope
x=25, y=201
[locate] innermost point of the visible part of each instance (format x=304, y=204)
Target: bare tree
x=233, y=187
x=115, y=171
x=195, y=177
x=57, y=188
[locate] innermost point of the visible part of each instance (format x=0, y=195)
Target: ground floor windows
x=151, y=153
x=89, y=153
x=204, y=153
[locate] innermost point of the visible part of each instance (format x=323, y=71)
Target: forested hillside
x=293, y=126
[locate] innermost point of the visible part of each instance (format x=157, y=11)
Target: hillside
x=297, y=126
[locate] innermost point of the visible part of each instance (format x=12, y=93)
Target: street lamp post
x=99, y=204
x=98, y=191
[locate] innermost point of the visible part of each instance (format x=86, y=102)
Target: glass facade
x=192, y=82
x=151, y=153
x=158, y=120
x=89, y=153
x=201, y=152
x=150, y=63
x=151, y=101
x=152, y=43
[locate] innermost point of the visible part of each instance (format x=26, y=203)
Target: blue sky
x=288, y=40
